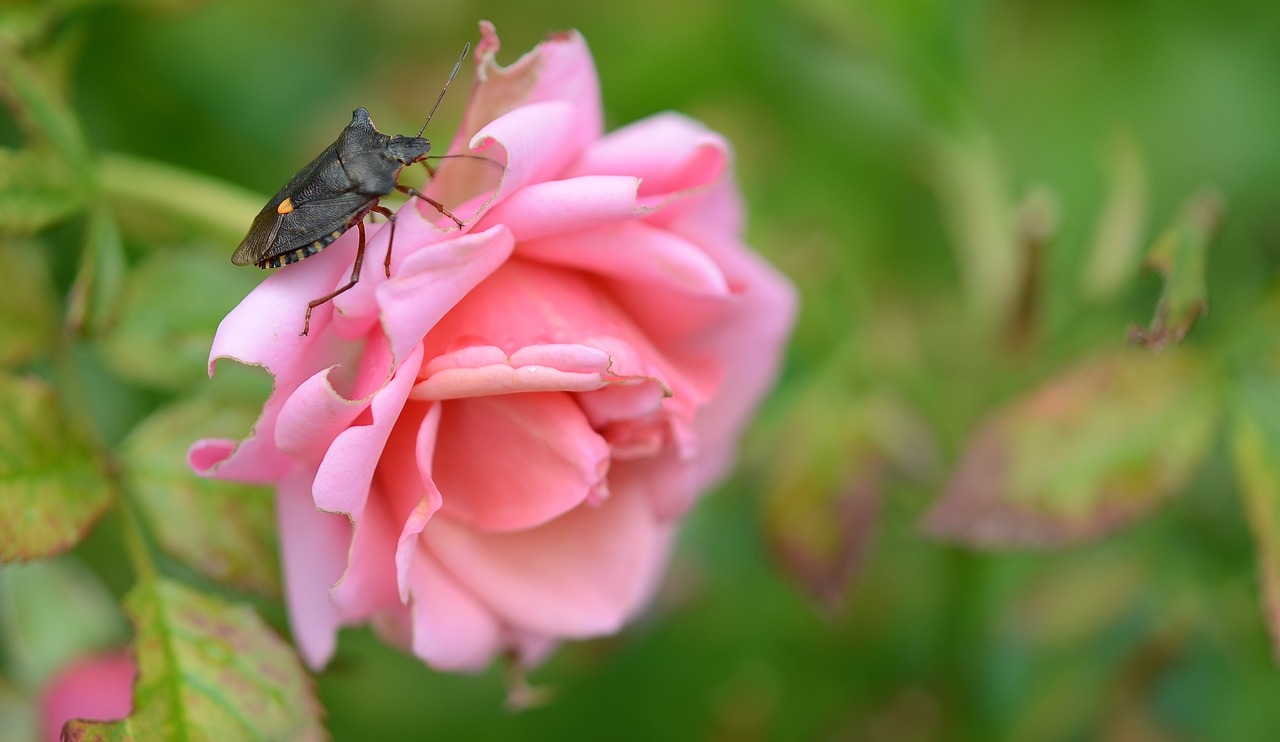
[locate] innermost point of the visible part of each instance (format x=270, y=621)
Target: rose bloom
x=489, y=451
x=97, y=687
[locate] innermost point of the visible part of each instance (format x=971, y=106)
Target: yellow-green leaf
x=51, y=488
x=1179, y=256
x=208, y=670
x=224, y=530
x=27, y=305
x=1255, y=442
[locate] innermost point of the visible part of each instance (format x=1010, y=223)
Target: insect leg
x=391, y=217
x=355, y=278
x=439, y=206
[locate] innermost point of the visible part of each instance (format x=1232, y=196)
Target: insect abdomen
x=298, y=253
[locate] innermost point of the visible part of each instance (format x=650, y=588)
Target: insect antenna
x=465, y=48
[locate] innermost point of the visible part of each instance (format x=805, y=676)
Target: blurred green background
x=886, y=150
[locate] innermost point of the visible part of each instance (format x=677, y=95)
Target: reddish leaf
x=1091, y=450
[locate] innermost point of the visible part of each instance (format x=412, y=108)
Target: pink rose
x=99, y=687
x=490, y=450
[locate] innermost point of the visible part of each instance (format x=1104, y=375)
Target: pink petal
x=313, y=552
x=480, y=370
x=669, y=153
x=430, y=282
x=750, y=337
x=98, y=687
x=543, y=209
x=633, y=251
x=408, y=477
x=451, y=629
x=263, y=330
x=580, y=575
x=312, y=417
x=517, y=460
x=669, y=484
x=206, y=456
x=559, y=69
x=504, y=123
x=368, y=584
x=342, y=482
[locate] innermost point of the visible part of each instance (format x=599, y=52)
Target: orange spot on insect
x=285, y=206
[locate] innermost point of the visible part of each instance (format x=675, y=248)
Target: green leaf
x=226, y=531
x=829, y=462
x=51, y=489
x=27, y=305
x=41, y=110
x=173, y=302
x=1255, y=443
x=1092, y=450
x=37, y=189
x=1179, y=257
x=978, y=212
x=1113, y=259
x=208, y=670
x=95, y=295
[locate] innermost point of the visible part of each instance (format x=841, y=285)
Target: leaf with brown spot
x=51, y=488
x=1179, y=256
x=1088, y=452
x=208, y=670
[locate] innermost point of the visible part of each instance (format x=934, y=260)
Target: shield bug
x=336, y=191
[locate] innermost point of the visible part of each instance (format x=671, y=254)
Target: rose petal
x=451, y=629
x=98, y=687
x=430, y=282
x=632, y=251
x=554, y=207
x=477, y=371
x=559, y=69
x=313, y=553
x=207, y=455
x=579, y=575
x=342, y=481
x=670, y=153
x=669, y=483
x=263, y=329
x=516, y=461
x=368, y=584
x=409, y=475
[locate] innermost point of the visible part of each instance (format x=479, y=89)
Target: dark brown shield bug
x=336, y=191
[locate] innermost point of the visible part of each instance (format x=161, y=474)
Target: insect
x=336, y=191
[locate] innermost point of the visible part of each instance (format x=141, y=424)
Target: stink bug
x=335, y=192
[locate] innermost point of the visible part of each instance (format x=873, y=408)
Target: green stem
x=155, y=187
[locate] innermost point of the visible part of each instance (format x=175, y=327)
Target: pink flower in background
x=490, y=450
x=99, y=687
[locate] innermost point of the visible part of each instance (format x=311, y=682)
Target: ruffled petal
x=580, y=575
x=342, y=482
x=559, y=72
x=516, y=461
x=409, y=478
x=634, y=252
x=313, y=553
x=671, y=154
x=451, y=630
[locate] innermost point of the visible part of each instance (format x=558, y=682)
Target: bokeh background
x=895, y=156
